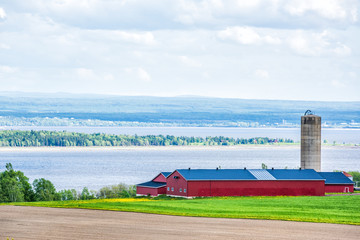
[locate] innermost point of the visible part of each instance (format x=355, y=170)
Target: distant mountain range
x=182, y=110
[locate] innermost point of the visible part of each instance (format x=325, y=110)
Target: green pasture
x=343, y=209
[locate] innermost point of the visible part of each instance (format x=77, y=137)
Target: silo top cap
x=308, y=112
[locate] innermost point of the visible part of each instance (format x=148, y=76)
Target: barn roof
x=251, y=174
x=152, y=184
x=335, y=178
x=295, y=174
x=213, y=174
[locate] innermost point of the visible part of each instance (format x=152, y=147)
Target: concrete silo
x=311, y=141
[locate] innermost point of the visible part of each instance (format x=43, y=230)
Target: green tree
x=45, y=190
x=68, y=194
x=130, y=192
x=356, y=176
x=86, y=194
x=104, y=192
x=117, y=191
x=14, y=186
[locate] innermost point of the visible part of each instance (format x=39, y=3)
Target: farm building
x=154, y=187
x=242, y=182
x=337, y=182
x=257, y=182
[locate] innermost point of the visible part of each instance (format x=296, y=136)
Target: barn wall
x=256, y=188
x=162, y=190
x=177, y=184
x=267, y=188
x=199, y=188
x=339, y=188
x=148, y=191
x=159, y=178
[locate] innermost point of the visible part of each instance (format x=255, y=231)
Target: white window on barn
x=172, y=189
x=168, y=188
x=180, y=190
x=184, y=190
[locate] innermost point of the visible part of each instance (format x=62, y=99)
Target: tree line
x=18, y=138
x=15, y=187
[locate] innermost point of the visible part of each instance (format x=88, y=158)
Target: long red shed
x=337, y=182
x=242, y=182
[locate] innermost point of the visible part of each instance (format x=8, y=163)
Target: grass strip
x=342, y=209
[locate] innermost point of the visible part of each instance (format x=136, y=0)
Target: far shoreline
x=166, y=148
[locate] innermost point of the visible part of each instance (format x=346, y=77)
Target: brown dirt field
x=57, y=223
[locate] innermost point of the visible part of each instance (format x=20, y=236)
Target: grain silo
x=311, y=141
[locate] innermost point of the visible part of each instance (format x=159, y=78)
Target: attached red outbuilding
x=155, y=187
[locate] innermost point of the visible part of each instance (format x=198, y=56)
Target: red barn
x=337, y=182
x=242, y=182
x=155, y=187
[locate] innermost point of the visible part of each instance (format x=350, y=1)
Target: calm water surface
x=100, y=167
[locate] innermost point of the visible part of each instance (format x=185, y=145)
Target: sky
x=258, y=49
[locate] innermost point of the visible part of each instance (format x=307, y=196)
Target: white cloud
x=352, y=74
x=2, y=13
x=159, y=14
x=143, y=75
x=189, y=62
x=261, y=73
x=143, y=38
x=317, y=44
x=91, y=43
x=93, y=76
x=354, y=14
x=342, y=50
x=243, y=35
x=139, y=73
x=329, y=9
x=246, y=35
x=191, y=12
x=7, y=69
x=272, y=40
x=4, y=46
x=246, y=4
x=85, y=73
x=108, y=77
x=338, y=84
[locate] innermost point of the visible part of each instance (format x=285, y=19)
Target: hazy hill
x=186, y=109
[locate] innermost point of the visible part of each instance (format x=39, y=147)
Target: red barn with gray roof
x=242, y=182
x=155, y=187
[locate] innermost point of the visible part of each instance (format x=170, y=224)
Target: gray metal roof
x=262, y=174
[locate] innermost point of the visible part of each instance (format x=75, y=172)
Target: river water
x=98, y=167
x=95, y=168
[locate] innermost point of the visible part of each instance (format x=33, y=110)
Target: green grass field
x=330, y=209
